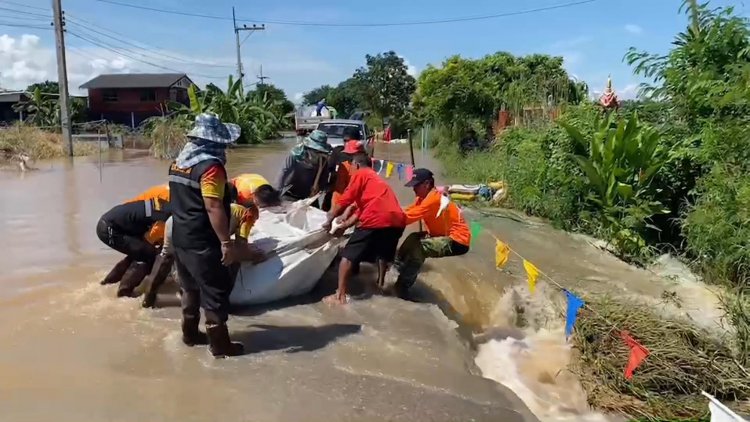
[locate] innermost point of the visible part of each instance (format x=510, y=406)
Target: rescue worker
x=381, y=223
x=447, y=232
x=203, y=250
x=160, y=192
x=246, y=184
x=307, y=169
x=136, y=229
x=343, y=161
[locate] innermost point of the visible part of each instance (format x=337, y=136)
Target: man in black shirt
x=124, y=228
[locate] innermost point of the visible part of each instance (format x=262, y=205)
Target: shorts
x=135, y=247
x=372, y=244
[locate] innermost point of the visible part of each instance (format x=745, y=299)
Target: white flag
x=719, y=412
x=444, y=201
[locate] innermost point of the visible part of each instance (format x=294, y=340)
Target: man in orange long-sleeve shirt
x=447, y=232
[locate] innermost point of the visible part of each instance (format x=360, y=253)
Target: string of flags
x=403, y=171
x=638, y=352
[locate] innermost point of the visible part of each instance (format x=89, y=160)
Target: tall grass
x=167, y=136
x=37, y=143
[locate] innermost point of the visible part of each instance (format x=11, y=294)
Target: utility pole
x=62, y=74
x=237, y=30
x=262, y=78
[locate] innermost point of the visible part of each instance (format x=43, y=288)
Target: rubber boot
x=133, y=279
x=219, y=344
x=116, y=273
x=151, y=284
x=191, y=318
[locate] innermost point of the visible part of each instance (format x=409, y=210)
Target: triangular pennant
x=388, y=169
x=445, y=200
x=441, y=189
x=532, y=273
x=400, y=170
x=571, y=314
x=720, y=412
x=475, y=229
x=637, y=353
x=409, y=172
x=382, y=165
x=502, y=252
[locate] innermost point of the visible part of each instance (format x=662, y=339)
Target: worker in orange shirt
x=447, y=232
x=246, y=185
x=153, y=235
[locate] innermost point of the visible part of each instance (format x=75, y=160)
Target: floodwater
x=477, y=348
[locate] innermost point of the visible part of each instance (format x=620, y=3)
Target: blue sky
x=592, y=37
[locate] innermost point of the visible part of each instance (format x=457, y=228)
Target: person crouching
x=134, y=229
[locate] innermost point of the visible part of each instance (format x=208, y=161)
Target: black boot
x=191, y=318
x=219, y=344
x=152, y=283
x=133, y=279
x=116, y=273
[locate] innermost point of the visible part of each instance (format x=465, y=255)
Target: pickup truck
x=305, y=120
x=334, y=128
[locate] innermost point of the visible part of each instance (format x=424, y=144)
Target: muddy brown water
x=72, y=352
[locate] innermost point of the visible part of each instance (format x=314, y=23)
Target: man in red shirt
x=381, y=223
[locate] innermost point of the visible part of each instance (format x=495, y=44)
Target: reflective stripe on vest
x=149, y=208
x=184, y=181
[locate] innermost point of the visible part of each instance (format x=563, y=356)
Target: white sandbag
x=299, y=253
x=469, y=189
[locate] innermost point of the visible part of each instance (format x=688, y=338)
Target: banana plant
x=619, y=162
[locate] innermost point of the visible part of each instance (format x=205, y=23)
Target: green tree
x=386, y=86
x=280, y=104
x=47, y=87
x=313, y=96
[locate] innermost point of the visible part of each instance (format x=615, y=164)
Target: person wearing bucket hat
x=307, y=169
x=447, y=232
x=203, y=251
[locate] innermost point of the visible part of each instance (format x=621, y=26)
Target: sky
x=102, y=37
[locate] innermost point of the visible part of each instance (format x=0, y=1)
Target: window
x=148, y=95
x=337, y=130
x=109, y=95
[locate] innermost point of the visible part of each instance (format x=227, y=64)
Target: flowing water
x=476, y=348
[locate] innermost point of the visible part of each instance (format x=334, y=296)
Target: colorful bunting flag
x=441, y=189
x=637, y=353
x=502, y=252
x=532, y=273
x=574, y=304
x=409, y=172
x=719, y=412
x=389, y=170
x=382, y=165
x=400, y=170
x=475, y=229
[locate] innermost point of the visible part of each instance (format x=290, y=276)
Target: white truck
x=306, y=118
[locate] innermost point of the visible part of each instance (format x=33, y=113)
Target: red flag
x=637, y=353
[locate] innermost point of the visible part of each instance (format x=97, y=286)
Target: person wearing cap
x=343, y=161
x=381, y=222
x=201, y=244
x=307, y=169
x=447, y=232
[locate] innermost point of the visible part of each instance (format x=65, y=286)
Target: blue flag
x=574, y=304
x=400, y=170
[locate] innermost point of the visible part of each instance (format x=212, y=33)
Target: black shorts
x=372, y=244
x=136, y=247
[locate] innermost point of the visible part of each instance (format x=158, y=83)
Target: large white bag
x=299, y=251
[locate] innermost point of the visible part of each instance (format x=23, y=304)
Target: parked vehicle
x=306, y=118
x=335, y=131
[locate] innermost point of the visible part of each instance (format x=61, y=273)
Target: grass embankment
x=38, y=144
x=167, y=137
x=683, y=361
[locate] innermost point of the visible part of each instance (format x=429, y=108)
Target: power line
x=24, y=5
x=26, y=13
x=24, y=18
x=118, y=52
x=155, y=56
x=18, y=25
x=358, y=25
x=135, y=43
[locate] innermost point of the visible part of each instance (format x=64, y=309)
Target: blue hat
x=209, y=127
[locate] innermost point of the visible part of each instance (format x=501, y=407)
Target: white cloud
x=410, y=68
x=634, y=29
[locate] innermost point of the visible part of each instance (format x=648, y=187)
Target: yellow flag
x=532, y=272
x=502, y=251
x=389, y=169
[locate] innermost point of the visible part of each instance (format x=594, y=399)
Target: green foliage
x=259, y=112
x=47, y=87
x=384, y=85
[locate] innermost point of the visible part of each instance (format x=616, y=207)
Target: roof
x=135, y=80
x=13, y=96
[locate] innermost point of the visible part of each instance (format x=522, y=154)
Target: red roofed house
x=131, y=98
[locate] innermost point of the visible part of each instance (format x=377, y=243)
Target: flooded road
x=478, y=347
